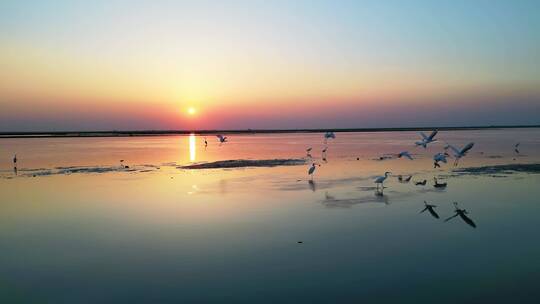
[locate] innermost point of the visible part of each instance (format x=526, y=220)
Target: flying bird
x=405, y=154
x=516, y=148
x=221, y=138
x=437, y=158
x=429, y=208
x=329, y=135
x=427, y=139
x=460, y=153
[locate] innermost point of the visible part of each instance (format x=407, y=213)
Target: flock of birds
x=425, y=141
x=440, y=157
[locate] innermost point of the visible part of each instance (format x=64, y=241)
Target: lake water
x=78, y=227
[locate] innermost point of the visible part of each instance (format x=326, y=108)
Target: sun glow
x=191, y=111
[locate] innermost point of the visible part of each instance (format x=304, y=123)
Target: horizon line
x=127, y=133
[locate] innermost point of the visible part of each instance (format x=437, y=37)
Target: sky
x=138, y=65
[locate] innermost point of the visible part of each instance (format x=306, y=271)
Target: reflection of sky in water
x=172, y=235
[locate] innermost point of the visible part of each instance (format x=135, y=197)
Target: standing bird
x=422, y=183
x=15, y=160
x=311, y=170
x=460, y=153
x=439, y=157
x=379, y=180
x=429, y=208
x=516, y=146
x=205, y=143
x=427, y=139
x=405, y=154
x=438, y=185
x=221, y=138
x=463, y=214
x=308, y=151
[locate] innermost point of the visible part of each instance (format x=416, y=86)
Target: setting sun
x=191, y=111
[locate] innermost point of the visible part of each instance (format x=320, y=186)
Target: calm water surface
x=170, y=235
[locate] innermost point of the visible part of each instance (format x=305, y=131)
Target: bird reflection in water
x=463, y=214
x=429, y=208
x=312, y=185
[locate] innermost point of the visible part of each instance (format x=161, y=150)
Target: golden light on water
x=192, y=147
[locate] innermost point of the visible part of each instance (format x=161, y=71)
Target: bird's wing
x=433, y=134
x=453, y=149
x=425, y=208
x=219, y=136
x=423, y=135
x=408, y=155
x=466, y=148
x=453, y=216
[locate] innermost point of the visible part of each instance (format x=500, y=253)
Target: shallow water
x=156, y=232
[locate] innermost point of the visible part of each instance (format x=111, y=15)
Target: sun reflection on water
x=192, y=147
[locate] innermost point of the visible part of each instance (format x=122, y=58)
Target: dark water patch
x=242, y=163
x=29, y=172
x=499, y=169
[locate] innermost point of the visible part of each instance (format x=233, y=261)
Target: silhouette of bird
x=516, y=146
x=15, y=159
x=429, y=208
x=403, y=179
x=311, y=169
x=422, y=183
x=438, y=185
x=463, y=214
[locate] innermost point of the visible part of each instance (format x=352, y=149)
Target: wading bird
x=308, y=151
x=405, y=154
x=437, y=184
x=437, y=158
x=429, y=208
x=463, y=214
x=427, y=139
x=404, y=179
x=422, y=183
x=379, y=181
x=15, y=159
x=205, y=143
x=311, y=169
x=460, y=153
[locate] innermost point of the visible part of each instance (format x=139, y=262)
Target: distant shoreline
x=245, y=131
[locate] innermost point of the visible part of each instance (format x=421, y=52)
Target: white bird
x=405, y=154
x=427, y=139
x=460, y=153
x=380, y=179
x=221, y=138
x=439, y=157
